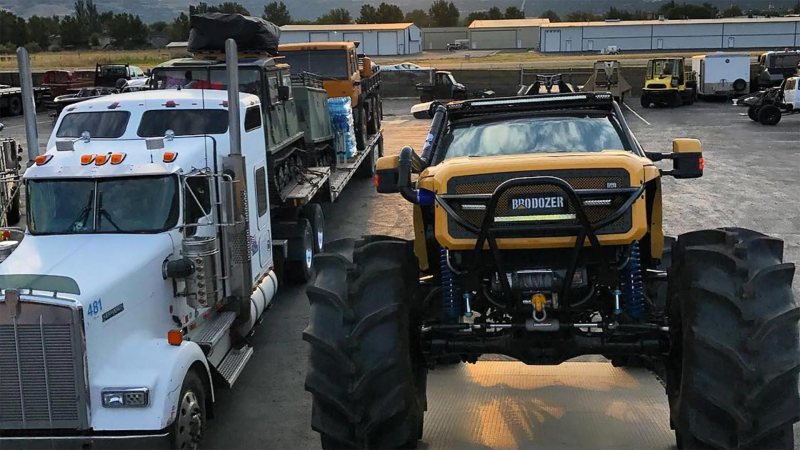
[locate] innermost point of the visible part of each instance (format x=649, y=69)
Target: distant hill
x=154, y=10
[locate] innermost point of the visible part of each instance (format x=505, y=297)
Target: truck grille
x=42, y=383
x=578, y=179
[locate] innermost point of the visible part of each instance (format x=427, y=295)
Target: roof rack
x=306, y=79
x=601, y=100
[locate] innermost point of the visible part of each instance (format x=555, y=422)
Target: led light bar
x=526, y=100
x=535, y=218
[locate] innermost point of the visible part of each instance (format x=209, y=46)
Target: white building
x=376, y=39
x=505, y=33
x=697, y=34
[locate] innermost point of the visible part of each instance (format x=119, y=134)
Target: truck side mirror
x=283, y=93
x=687, y=159
x=387, y=174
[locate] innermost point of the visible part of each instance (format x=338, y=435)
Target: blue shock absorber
x=450, y=297
x=631, y=283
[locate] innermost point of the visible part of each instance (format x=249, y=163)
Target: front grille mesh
x=39, y=365
x=486, y=184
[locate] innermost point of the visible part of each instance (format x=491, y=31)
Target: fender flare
x=154, y=364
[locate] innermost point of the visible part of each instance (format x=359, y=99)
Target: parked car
x=111, y=75
x=459, y=44
x=406, y=67
x=610, y=50
x=61, y=81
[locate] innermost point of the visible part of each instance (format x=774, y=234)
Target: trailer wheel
x=752, y=113
x=15, y=105
x=734, y=362
x=313, y=212
x=299, y=262
x=361, y=130
x=366, y=370
x=739, y=85
x=769, y=115
x=187, y=431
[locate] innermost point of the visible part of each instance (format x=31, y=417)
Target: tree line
x=87, y=27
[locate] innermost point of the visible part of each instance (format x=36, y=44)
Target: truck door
x=260, y=226
x=275, y=109
x=290, y=108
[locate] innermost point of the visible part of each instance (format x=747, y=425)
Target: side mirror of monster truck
x=686, y=156
x=386, y=174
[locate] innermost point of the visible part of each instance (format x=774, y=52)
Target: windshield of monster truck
x=532, y=134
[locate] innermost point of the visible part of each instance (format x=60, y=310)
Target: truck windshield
x=662, y=68
x=184, y=122
x=111, y=205
x=533, y=135
x=213, y=78
x=325, y=63
x=107, y=124
x=786, y=61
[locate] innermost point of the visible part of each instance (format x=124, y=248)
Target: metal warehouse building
x=376, y=39
x=507, y=33
x=437, y=38
x=707, y=34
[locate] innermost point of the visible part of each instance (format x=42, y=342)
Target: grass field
x=478, y=59
x=87, y=59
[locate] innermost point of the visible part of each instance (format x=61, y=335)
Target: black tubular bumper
x=115, y=441
x=581, y=227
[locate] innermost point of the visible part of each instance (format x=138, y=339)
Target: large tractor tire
x=769, y=115
x=732, y=372
x=366, y=372
x=752, y=113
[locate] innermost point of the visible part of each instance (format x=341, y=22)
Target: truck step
x=231, y=367
x=215, y=329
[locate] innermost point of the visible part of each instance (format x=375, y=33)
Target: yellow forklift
x=668, y=82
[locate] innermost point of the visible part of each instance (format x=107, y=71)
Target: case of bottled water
x=341, y=113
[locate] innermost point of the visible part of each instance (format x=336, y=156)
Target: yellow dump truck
x=345, y=73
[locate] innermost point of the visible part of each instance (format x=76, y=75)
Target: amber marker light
x=99, y=160
x=174, y=337
x=42, y=159
x=117, y=158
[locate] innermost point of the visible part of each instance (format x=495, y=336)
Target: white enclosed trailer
x=722, y=74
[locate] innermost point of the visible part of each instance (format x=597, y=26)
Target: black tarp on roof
x=252, y=34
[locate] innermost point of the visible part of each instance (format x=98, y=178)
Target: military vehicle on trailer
x=344, y=73
x=538, y=235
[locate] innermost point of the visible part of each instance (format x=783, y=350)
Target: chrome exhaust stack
x=28, y=102
x=236, y=237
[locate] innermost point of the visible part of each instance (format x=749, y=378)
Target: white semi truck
x=150, y=254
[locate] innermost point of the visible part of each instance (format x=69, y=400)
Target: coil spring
x=450, y=297
x=632, y=286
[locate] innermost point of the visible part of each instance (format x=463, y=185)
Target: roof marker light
x=117, y=158
x=43, y=159
x=99, y=160
x=87, y=159
x=170, y=104
x=170, y=157
x=114, y=105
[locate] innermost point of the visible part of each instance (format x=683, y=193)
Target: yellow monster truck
x=538, y=224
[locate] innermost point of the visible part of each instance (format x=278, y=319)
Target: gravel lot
x=751, y=180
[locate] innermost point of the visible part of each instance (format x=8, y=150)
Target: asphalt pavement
x=751, y=180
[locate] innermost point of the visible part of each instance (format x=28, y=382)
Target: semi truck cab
x=147, y=261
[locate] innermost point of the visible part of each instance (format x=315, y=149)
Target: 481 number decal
x=95, y=308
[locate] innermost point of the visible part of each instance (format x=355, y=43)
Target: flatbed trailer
x=11, y=99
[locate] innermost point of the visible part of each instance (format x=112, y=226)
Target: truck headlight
x=126, y=398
